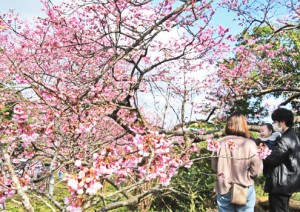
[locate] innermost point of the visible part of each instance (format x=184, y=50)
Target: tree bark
x=20, y=191
x=52, y=179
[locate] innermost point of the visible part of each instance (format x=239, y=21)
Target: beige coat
x=239, y=165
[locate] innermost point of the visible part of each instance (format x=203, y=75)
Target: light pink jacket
x=240, y=165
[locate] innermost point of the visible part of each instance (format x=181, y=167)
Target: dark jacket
x=283, y=165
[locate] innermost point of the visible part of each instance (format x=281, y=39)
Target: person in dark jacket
x=283, y=164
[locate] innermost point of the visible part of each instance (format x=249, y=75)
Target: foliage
x=250, y=107
x=276, y=73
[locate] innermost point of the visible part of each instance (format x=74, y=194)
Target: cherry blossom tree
x=79, y=79
x=78, y=91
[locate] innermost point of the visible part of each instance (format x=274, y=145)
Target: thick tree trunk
x=20, y=191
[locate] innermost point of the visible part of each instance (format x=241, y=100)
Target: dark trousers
x=279, y=202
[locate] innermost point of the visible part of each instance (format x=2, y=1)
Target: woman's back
x=237, y=162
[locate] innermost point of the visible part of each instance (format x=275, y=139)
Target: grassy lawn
x=60, y=192
x=14, y=204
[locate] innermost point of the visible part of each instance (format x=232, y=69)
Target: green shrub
x=192, y=189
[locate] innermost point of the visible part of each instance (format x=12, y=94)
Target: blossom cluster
x=87, y=180
x=20, y=115
x=7, y=189
x=231, y=145
x=148, y=157
x=27, y=139
x=213, y=145
x=155, y=150
x=263, y=151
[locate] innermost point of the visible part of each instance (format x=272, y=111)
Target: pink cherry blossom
x=72, y=183
x=79, y=191
x=231, y=145
x=78, y=163
x=213, y=145
x=73, y=209
x=2, y=199
x=263, y=151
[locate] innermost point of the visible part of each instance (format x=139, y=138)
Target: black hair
x=269, y=126
x=282, y=114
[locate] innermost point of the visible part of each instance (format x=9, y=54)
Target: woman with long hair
x=236, y=162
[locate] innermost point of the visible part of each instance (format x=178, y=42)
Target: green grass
x=60, y=192
x=296, y=196
x=13, y=204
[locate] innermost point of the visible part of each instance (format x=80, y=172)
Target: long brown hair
x=237, y=125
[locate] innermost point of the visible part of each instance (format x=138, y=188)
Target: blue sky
x=26, y=8
x=29, y=9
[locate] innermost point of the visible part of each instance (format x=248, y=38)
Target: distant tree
x=266, y=60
